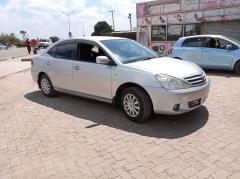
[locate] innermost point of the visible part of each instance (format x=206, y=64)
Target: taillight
x=170, y=51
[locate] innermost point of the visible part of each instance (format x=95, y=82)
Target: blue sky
x=44, y=18
x=3, y=1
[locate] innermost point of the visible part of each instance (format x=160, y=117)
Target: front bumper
x=34, y=74
x=178, y=101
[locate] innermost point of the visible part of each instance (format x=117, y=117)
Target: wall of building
x=173, y=18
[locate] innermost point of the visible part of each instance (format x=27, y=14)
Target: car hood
x=168, y=66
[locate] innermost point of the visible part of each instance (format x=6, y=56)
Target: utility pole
x=112, y=11
x=130, y=19
x=83, y=27
x=69, y=28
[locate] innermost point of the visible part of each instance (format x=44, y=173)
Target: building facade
x=160, y=23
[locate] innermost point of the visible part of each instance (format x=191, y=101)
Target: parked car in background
x=122, y=72
x=209, y=51
x=3, y=46
x=44, y=43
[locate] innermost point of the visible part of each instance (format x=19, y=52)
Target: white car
x=44, y=43
x=122, y=72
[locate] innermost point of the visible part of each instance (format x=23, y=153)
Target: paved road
x=13, y=53
x=13, y=66
x=72, y=137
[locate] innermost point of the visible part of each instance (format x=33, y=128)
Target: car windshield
x=128, y=51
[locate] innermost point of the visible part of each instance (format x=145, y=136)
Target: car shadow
x=223, y=73
x=159, y=126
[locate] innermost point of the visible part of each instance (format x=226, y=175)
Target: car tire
x=177, y=58
x=136, y=104
x=46, y=86
x=237, y=68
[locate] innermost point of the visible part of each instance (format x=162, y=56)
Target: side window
x=193, y=42
x=211, y=43
x=52, y=51
x=222, y=44
x=88, y=52
x=66, y=51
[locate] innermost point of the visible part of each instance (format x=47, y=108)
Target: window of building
x=174, y=32
x=158, y=33
x=192, y=29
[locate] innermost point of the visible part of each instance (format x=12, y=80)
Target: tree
x=23, y=33
x=10, y=39
x=54, y=39
x=102, y=28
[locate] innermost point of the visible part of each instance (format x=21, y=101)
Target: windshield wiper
x=148, y=58
x=139, y=59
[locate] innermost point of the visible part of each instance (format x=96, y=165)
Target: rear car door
x=192, y=50
x=60, y=65
x=90, y=78
x=216, y=55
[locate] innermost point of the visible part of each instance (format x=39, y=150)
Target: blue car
x=209, y=51
x=2, y=46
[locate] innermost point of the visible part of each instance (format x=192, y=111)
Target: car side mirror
x=229, y=47
x=102, y=60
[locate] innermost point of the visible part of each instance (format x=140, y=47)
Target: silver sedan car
x=122, y=72
x=209, y=51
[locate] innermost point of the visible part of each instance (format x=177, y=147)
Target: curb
x=15, y=73
x=26, y=59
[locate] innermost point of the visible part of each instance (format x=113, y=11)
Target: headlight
x=171, y=83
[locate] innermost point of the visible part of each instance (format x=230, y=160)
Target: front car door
x=60, y=65
x=192, y=50
x=216, y=55
x=91, y=79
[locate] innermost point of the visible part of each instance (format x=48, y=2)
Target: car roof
x=205, y=35
x=92, y=38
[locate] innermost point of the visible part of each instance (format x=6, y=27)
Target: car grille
x=197, y=80
x=194, y=103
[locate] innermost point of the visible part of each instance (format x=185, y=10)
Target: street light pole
x=112, y=11
x=69, y=27
x=130, y=19
x=83, y=27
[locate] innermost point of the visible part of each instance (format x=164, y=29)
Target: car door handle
x=206, y=51
x=76, y=67
x=48, y=63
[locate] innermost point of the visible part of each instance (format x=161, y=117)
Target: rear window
x=193, y=42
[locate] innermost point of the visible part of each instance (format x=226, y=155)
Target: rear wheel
x=237, y=68
x=46, y=86
x=136, y=104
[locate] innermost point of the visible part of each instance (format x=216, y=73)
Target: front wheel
x=136, y=104
x=46, y=86
x=237, y=68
